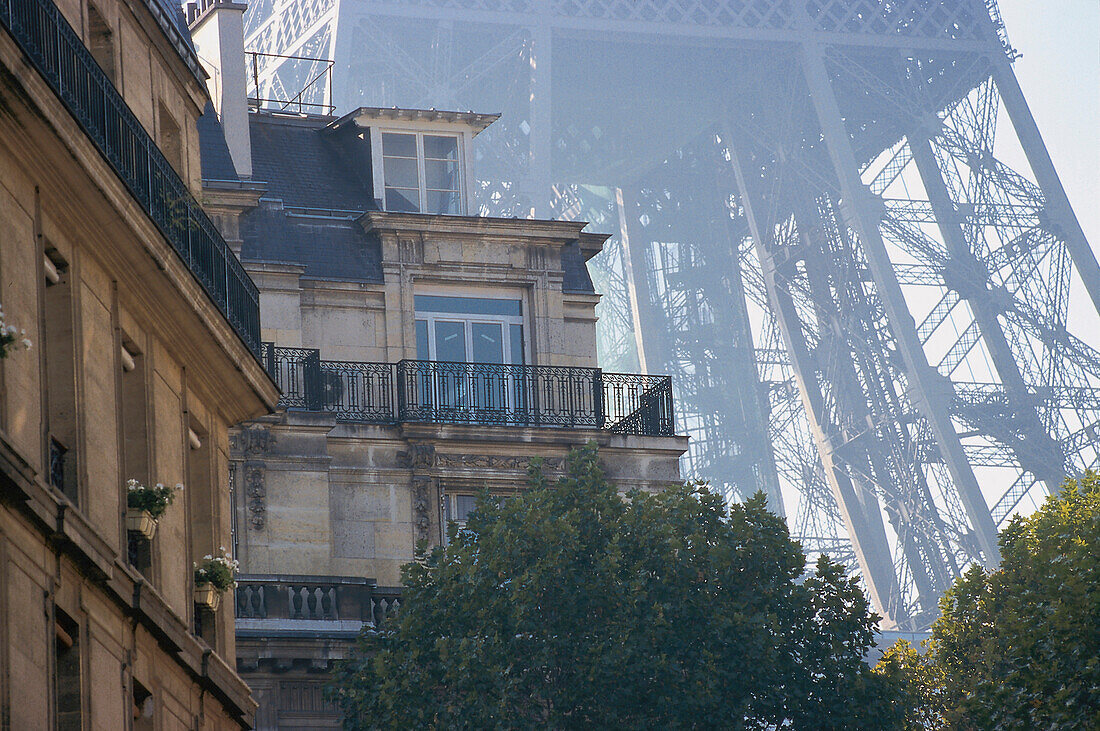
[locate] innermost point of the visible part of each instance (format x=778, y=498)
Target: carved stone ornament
x=536, y=258
x=495, y=462
x=254, y=440
x=255, y=495
x=410, y=250
x=422, y=518
x=419, y=457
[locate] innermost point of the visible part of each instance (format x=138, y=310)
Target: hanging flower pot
x=142, y=522
x=213, y=577
x=207, y=596
x=153, y=501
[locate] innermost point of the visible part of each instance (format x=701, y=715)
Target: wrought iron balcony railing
x=57, y=52
x=472, y=393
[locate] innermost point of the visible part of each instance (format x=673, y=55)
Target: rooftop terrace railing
x=57, y=52
x=472, y=393
x=312, y=603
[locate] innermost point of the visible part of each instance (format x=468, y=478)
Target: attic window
x=422, y=172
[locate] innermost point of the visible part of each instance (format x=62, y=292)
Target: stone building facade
x=145, y=349
x=423, y=352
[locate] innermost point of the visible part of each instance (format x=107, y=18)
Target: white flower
x=27, y=343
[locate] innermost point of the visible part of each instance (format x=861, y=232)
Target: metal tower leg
x=849, y=395
x=1049, y=470
x=932, y=393
x=1057, y=203
x=858, y=506
x=634, y=274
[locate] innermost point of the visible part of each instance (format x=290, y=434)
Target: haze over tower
x=864, y=308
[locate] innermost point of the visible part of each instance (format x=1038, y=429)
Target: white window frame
x=450, y=500
x=419, y=134
x=469, y=319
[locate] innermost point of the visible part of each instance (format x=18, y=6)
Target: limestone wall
x=133, y=373
x=321, y=497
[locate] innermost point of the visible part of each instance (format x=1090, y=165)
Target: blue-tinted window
x=468, y=305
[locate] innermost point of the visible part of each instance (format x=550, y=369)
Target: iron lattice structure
x=835, y=224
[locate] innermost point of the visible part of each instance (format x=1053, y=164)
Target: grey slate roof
x=328, y=248
x=576, y=277
x=307, y=165
x=169, y=16
x=217, y=164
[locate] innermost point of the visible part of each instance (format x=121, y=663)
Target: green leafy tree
x=1019, y=647
x=570, y=606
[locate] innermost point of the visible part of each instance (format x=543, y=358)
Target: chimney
x=217, y=30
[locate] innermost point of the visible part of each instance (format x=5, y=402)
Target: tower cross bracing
x=835, y=223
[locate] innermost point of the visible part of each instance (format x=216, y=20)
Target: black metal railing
x=55, y=49
x=472, y=393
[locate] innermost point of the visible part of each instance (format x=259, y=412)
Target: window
x=67, y=673
x=100, y=43
x=171, y=143
x=59, y=352
x=204, y=516
x=135, y=441
x=143, y=708
x=469, y=329
x=135, y=427
x=422, y=172
x=456, y=509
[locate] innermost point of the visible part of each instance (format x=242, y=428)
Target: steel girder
x=916, y=375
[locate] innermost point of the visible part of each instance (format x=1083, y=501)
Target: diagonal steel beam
x=1049, y=469
x=931, y=393
x=858, y=505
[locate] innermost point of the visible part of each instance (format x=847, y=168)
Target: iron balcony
x=56, y=51
x=472, y=393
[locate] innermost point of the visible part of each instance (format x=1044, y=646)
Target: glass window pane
x=450, y=341
x=488, y=345
x=467, y=305
x=422, y=340
x=441, y=202
x=401, y=145
x=400, y=173
x=459, y=507
x=516, y=336
x=441, y=148
x=440, y=175
x=402, y=200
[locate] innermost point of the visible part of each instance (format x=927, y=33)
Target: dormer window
x=422, y=172
x=419, y=158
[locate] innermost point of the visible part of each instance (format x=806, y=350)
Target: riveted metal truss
x=849, y=246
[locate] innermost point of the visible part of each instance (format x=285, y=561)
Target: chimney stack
x=217, y=30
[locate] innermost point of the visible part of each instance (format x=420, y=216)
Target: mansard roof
x=318, y=187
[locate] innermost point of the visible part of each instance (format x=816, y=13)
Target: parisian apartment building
x=302, y=378
x=131, y=344
x=423, y=353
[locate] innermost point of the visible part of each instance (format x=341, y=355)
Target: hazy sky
x=1060, y=76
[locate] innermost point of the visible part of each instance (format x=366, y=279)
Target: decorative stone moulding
x=207, y=596
x=141, y=522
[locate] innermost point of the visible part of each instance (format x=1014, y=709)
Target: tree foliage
x=1019, y=647
x=570, y=605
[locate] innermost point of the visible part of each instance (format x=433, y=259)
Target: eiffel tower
x=835, y=224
